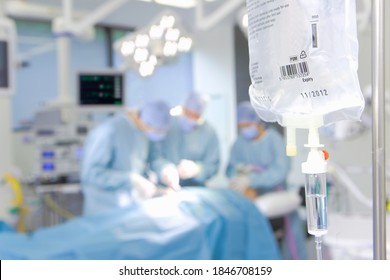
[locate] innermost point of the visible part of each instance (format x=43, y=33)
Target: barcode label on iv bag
x=296, y=70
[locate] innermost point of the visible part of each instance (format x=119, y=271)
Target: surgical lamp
x=156, y=44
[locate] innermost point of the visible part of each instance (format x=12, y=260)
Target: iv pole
x=378, y=130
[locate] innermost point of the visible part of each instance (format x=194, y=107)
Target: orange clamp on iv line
x=326, y=154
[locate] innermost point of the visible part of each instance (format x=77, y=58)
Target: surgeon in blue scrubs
x=115, y=158
x=191, y=149
x=257, y=157
x=258, y=162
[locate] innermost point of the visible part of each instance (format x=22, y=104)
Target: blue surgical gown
x=111, y=152
x=268, y=153
x=200, y=145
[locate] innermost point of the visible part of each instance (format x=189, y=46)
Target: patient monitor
x=101, y=90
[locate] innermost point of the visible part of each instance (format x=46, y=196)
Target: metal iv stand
x=378, y=130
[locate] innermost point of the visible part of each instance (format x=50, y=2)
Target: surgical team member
x=258, y=162
x=115, y=156
x=191, y=148
x=257, y=157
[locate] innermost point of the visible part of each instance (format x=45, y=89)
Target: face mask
x=187, y=124
x=249, y=133
x=155, y=136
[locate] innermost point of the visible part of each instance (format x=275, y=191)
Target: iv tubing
x=318, y=240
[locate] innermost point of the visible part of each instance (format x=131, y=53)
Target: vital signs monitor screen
x=101, y=89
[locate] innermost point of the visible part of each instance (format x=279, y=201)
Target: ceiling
x=135, y=13
x=139, y=13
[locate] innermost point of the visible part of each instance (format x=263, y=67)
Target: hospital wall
x=214, y=74
x=37, y=82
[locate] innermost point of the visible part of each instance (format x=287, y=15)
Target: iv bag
x=304, y=59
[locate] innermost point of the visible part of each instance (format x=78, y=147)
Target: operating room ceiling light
x=167, y=22
x=184, y=44
x=245, y=20
x=156, y=31
x=242, y=20
x=177, y=3
x=172, y=34
x=146, y=68
x=153, y=60
x=156, y=44
x=170, y=49
x=141, y=55
x=142, y=41
x=185, y=4
x=128, y=48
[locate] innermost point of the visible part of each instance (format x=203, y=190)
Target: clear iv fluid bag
x=304, y=59
x=316, y=204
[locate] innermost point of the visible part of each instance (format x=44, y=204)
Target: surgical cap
x=196, y=103
x=156, y=114
x=246, y=113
